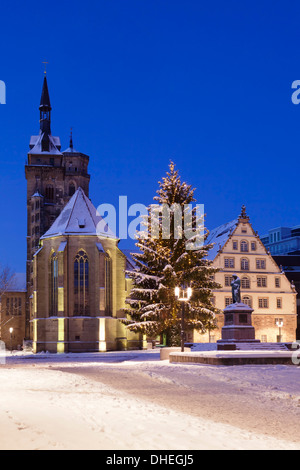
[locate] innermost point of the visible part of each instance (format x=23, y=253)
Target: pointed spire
x=71, y=140
x=45, y=113
x=45, y=99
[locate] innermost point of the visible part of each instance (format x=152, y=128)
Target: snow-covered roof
x=79, y=217
x=18, y=283
x=219, y=236
x=36, y=145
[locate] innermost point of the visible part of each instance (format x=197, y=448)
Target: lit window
x=81, y=284
x=53, y=285
x=108, y=289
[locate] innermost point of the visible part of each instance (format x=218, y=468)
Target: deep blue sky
x=207, y=84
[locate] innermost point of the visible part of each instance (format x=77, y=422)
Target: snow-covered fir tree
x=171, y=255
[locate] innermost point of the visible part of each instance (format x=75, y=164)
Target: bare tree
x=7, y=278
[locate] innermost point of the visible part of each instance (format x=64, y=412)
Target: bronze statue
x=236, y=289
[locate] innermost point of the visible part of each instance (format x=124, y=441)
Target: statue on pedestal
x=236, y=289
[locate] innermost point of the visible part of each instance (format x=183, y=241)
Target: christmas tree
x=172, y=253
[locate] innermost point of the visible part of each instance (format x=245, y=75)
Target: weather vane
x=45, y=71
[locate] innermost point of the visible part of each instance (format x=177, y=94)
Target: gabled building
x=264, y=286
x=79, y=285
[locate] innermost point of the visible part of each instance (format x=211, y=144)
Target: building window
x=245, y=282
x=247, y=300
x=277, y=281
x=264, y=338
x=244, y=246
x=53, y=308
x=228, y=280
x=263, y=303
x=108, y=286
x=49, y=194
x=235, y=245
x=228, y=301
x=244, y=264
x=81, y=284
x=260, y=264
x=229, y=262
x=262, y=281
x=253, y=246
x=279, y=302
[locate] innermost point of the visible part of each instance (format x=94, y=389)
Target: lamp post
x=11, y=332
x=183, y=295
x=279, y=323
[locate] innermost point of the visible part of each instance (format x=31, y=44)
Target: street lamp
x=279, y=323
x=183, y=295
x=11, y=332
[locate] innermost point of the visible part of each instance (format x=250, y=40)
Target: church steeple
x=45, y=110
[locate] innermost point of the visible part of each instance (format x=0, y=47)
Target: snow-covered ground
x=134, y=401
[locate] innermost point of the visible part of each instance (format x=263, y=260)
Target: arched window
x=244, y=264
x=81, y=284
x=71, y=189
x=53, y=307
x=108, y=286
x=245, y=284
x=244, y=246
x=247, y=300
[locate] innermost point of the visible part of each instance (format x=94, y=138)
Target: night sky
x=206, y=84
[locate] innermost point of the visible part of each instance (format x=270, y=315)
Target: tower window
x=81, y=284
x=49, y=193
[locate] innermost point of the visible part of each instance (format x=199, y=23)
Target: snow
x=132, y=400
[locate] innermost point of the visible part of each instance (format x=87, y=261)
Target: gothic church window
x=81, y=284
x=53, y=307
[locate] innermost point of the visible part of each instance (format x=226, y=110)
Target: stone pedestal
x=237, y=326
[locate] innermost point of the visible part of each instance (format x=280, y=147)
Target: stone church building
x=76, y=284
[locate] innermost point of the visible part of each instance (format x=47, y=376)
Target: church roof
x=36, y=145
x=79, y=217
x=17, y=283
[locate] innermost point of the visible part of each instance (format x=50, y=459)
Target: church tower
x=52, y=177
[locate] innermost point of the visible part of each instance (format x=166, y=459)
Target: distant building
x=283, y=240
x=264, y=286
x=12, y=312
